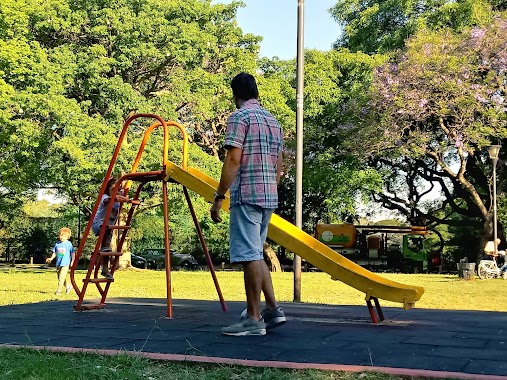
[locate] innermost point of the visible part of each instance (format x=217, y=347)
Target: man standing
x=252, y=167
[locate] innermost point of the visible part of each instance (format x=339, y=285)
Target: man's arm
x=230, y=169
x=279, y=167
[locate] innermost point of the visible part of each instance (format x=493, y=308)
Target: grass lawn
x=27, y=364
x=442, y=291
x=18, y=286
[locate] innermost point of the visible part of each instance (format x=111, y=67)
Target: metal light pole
x=299, y=144
x=493, y=151
x=78, y=225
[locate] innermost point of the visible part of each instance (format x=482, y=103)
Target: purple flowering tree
x=432, y=114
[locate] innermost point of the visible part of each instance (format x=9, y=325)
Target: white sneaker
x=244, y=327
x=504, y=275
x=272, y=318
x=69, y=288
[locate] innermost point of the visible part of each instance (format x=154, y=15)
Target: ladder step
x=109, y=253
x=98, y=280
x=90, y=307
x=115, y=227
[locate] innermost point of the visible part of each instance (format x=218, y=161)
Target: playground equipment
x=124, y=183
x=371, y=246
x=281, y=231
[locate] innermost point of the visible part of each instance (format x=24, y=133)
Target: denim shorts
x=248, y=230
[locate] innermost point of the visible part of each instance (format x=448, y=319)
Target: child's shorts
x=96, y=229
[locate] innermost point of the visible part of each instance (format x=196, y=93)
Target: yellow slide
x=309, y=248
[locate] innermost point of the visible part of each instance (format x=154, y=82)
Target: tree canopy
x=71, y=72
x=431, y=114
x=383, y=26
x=405, y=103
x=332, y=80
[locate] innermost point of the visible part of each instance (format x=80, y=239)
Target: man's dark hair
x=244, y=86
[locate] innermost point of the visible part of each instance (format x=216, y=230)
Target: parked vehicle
x=138, y=261
x=155, y=258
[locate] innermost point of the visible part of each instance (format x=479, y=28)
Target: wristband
x=218, y=196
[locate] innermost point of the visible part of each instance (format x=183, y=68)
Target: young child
x=64, y=253
x=98, y=221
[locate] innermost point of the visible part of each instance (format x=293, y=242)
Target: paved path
x=470, y=342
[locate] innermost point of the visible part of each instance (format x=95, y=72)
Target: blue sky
x=276, y=22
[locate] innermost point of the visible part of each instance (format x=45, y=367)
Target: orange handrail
x=184, y=162
x=146, y=136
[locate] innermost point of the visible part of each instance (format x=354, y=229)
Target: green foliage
x=36, y=242
x=33, y=228
x=71, y=71
x=333, y=179
x=460, y=242
x=431, y=114
x=383, y=26
x=47, y=365
x=147, y=231
x=216, y=237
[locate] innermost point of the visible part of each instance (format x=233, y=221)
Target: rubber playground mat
x=469, y=342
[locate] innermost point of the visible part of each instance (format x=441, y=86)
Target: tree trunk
x=487, y=235
x=487, y=231
x=273, y=260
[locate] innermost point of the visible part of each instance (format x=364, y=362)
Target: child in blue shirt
x=64, y=253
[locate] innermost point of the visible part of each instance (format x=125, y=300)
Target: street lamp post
x=78, y=225
x=299, y=143
x=493, y=151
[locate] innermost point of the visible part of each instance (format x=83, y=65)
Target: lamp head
x=493, y=151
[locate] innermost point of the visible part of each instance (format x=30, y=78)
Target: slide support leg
x=373, y=315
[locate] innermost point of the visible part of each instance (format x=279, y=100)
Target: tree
x=333, y=180
x=72, y=71
x=430, y=116
x=32, y=230
x=383, y=26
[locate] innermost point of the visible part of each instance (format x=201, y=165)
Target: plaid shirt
x=254, y=130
